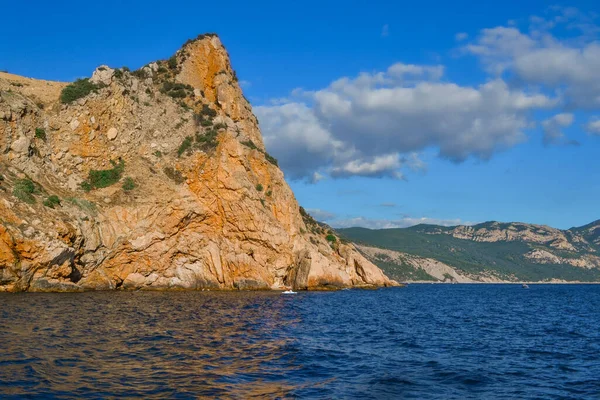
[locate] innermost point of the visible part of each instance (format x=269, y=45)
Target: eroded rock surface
x=435, y=270
x=213, y=213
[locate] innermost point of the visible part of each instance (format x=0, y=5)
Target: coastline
x=502, y=283
x=206, y=289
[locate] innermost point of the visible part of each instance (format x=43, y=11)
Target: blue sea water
x=419, y=342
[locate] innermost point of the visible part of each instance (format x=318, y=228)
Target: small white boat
x=525, y=286
x=288, y=292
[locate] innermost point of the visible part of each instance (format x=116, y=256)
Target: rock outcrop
x=487, y=252
x=428, y=269
x=512, y=232
x=154, y=179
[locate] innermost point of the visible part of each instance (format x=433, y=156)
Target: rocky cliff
x=488, y=252
x=153, y=179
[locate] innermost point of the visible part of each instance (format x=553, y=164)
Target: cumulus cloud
x=298, y=139
x=593, y=126
x=376, y=123
x=553, y=128
x=398, y=223
x=385, y=165
x=402, y=72
x=537, y=56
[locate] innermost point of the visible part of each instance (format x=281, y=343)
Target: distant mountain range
x=487, y=252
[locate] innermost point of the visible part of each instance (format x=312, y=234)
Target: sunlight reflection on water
x=424, y=341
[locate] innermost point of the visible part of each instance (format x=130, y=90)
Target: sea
x=423, y=341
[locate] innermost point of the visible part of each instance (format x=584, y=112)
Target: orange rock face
x=209, y=208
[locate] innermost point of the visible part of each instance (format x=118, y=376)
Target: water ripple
x=420, y=342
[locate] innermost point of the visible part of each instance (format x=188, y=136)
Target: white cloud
x=385, y=30
x=317, y=177
x=388, y=164
x=461, y=36
x=593, y=126
x=321, y=215
x=389, y=224
x=414, y=162
x=569, y=65
x=376, y=123
x=296, y=136
x=400, y=71
x=553, y=128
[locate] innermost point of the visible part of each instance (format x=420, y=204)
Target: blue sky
x=382, y=114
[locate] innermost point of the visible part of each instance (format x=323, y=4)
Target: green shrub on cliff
x=176, y=90
x=78, y=89
x=129, y=184
x=139, y=73
x=24, y=190
x=205, y=117
x=271, y=159
x=184, y=146
x=104, y=177
x=40, y=133
x=52, y=201
x=206, y=122
x=250, y=144
x=85, y=185
x=208, y=141
x=207, y=111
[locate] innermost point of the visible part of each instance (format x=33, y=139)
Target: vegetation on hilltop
x=77, y=90
x=506, y=259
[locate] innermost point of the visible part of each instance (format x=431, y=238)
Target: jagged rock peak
x=153, y=179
